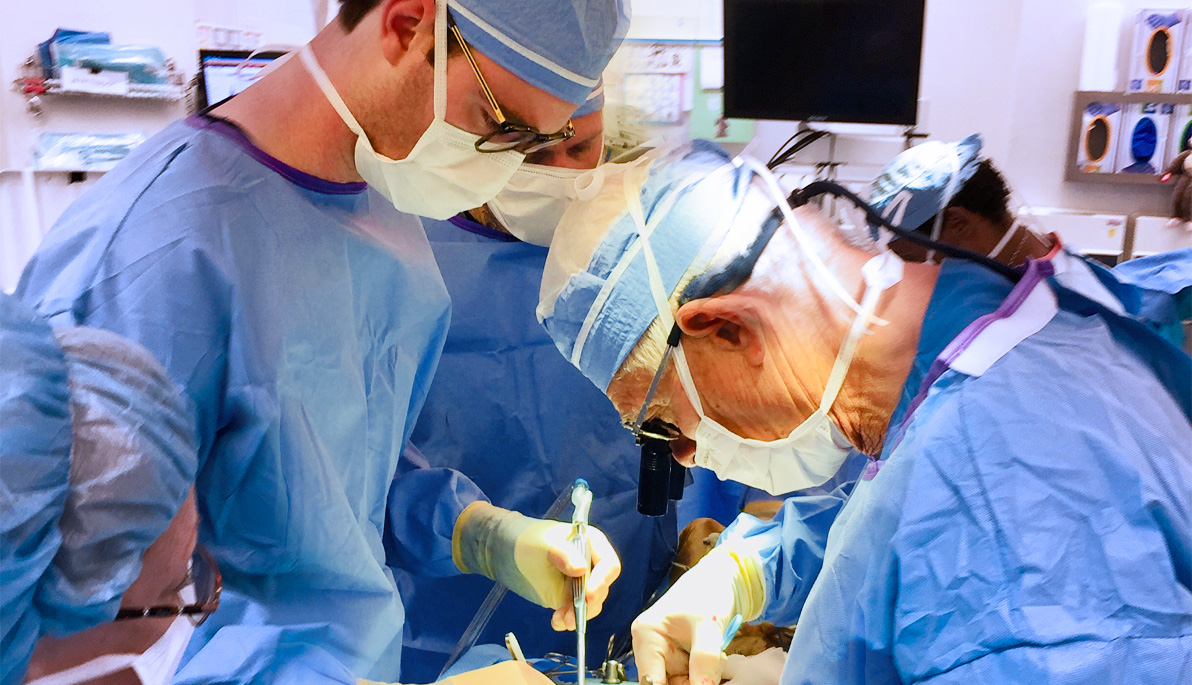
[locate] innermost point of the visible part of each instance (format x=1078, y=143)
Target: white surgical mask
x=156, y=666
x=534, y=200
x=444, y=174
x=815, y=450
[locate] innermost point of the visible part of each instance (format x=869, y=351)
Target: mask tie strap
x=1004, y=241
x=440, y=102
x=329, y=91
x=880, y=273
x=656, y=291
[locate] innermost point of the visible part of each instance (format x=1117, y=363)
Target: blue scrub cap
x=594, y=103
x=913, y=187
x=595, y=301
x=99, y=452
x=560, y=46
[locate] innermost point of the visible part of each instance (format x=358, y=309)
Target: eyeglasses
x=656, y=429
x=204, y=576
x=508, y=136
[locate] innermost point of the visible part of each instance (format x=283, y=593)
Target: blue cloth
x=913, y=187
x=560, y=46
x=129, y=457
x=35, y=442
x=722, y=500
x=1164, y=283
x=1153, y=334
x=594, y=102
x=1020, y=528
x=622, y=310
x=511, y=413
x=304, y=318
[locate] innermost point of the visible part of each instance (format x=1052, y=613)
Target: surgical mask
x=815, y=450
x=444, y=174
x=156, y=666
x=531, y=205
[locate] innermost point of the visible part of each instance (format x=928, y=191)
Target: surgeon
x=534, y=423
x=1026, y=515
x=268, y=252
x=947, y=192
x=97, y=457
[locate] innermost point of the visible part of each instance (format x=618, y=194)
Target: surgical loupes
x=581, y=497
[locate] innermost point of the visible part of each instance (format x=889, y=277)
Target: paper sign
x=711, y=68
x=101, y=82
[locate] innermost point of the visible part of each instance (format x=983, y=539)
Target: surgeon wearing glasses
x=269, y=252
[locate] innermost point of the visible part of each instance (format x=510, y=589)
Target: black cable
x=788, y=154
x=804, y=195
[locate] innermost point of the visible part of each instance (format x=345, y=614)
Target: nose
x=684, y=451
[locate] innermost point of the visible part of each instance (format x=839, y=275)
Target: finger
x=558, y=619
x=606, y=569
x=649, y=650
x=567, y=558
x=704, y=665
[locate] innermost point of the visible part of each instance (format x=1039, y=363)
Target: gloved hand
x=504, y=673
x=534, y=558
x=682, y=633
x=763, y=669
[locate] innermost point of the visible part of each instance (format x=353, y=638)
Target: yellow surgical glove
x=534, y=558
x=504, y=673
x=682, y=632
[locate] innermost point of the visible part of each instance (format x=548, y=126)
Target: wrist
x=744, y=568
x=463, y=553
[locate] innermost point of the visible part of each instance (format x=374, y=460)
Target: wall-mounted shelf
x=36, y=86
x=1083, y=99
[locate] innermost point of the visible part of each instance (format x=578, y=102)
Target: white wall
x=1008, y=70
x=29, y=204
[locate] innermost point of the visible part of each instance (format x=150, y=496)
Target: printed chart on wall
x=657, y=81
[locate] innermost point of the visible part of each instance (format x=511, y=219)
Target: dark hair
x=985, y=194
x=352, y=11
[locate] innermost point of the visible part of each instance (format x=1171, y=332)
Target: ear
x=729, y=322
x=958, y=226
x=401, y=21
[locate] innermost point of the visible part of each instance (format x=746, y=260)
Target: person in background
x=947, y=192
x=97, y=458
x=1026, y=513
x=533, y=423
x=977, y=217
x=268, y=252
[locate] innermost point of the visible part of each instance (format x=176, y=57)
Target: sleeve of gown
x=424, y=503
x=152, y=279
x=791, y=549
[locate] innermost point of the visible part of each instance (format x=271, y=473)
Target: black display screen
x=823, y=60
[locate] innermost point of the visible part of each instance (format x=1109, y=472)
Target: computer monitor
x=224, y=73
x=854, y=61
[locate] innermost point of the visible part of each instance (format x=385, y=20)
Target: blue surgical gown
x=1030, y=525
x=305, y=319
x=1164, y=283
x=506, y=409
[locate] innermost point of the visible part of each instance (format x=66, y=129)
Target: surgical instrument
x=581, y=497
